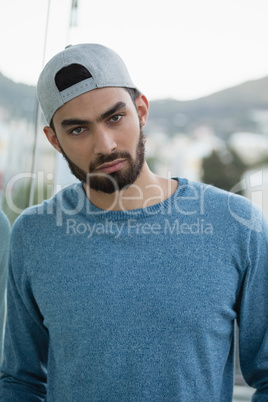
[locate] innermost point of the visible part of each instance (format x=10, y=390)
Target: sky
x=181, y=49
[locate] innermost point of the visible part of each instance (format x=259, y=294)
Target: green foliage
x=223, y=169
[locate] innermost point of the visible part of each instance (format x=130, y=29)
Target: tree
x=223, y=169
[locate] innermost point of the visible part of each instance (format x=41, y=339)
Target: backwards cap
x=105, y=66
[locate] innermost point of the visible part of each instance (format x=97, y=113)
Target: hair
x=75, y=73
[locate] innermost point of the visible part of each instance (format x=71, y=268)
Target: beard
x=115, y=181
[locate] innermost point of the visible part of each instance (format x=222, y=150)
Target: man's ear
x=51, y=136
x=143, y=108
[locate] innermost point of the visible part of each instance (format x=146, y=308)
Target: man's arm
x=253, y=315
x=23, y=373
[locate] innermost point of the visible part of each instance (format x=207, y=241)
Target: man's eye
x=116, y=118
x=78, y=130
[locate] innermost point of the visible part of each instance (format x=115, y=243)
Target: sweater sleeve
x=23, y=372
x=4, y=245
x=253, y=314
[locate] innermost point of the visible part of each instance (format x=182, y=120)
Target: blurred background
x=202, y=64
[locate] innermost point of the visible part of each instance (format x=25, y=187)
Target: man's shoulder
x=217, y=196
x=225, y=206
x=49, y=209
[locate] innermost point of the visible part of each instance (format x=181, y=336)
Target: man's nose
x=104, y=142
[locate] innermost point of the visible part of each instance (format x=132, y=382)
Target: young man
x=4, y=246
x=127, y=286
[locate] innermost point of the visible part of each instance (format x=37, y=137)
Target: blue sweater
x=4, y=244
x=137, y=305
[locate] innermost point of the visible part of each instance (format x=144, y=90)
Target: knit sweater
x=4, y=244
x=137, y=305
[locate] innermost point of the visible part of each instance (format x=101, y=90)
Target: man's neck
x=149, y=189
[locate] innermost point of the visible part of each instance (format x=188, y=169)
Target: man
x=4, y=244
x=127, y=286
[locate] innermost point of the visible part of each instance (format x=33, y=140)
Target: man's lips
x=111, y=167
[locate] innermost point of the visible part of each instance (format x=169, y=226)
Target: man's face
x=100, y=135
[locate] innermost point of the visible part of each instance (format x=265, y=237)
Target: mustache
x=108, y=158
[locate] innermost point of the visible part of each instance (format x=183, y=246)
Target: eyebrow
x=112, y=110
x=73, y=122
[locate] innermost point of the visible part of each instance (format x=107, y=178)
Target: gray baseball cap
x=105, y=66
